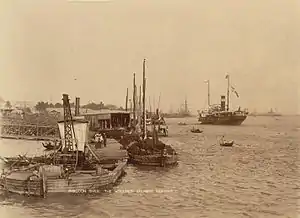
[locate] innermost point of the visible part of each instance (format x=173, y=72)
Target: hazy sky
x=45, y=44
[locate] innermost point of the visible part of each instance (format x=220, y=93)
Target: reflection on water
x=258, y=177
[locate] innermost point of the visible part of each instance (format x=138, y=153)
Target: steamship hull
x=227, y=120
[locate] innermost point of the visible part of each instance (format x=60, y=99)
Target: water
x=258, y=177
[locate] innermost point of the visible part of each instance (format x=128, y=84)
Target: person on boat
x=99, y=140
x=165, y=152
x=222, y=141
x=104, y=139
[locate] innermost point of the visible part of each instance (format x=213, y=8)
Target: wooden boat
x=159, y=123
x=196, y=130
x=154, y=160
x=51, y=146
x=181, y=124
x=143, y=150
x=76, y=168
x=15, y=161
x=227, y=144
x=151, y=153
x=40, y=180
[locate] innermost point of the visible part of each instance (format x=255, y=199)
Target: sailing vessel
x=158, y=122
x=142, y=149
x=218, y=114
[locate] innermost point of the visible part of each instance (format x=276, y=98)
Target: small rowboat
x=50, y=146
x=196, y=131
x=227, y=144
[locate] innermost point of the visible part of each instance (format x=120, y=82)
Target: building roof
x=102, y=112
x=88, y=112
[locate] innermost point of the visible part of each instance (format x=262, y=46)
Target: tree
x=101, y=105
x=27, y=110
x=8, y=105
x=58, y=105
x=41, y=106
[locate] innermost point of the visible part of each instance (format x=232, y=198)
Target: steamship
x=219, y=114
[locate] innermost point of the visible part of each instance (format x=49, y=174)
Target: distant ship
x=182, y=112
x=271, y=113
x=219, y=115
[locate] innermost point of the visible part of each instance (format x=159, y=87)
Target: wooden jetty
x=29, y=131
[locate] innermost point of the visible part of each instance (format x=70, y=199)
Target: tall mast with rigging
x=126, y=100
x=208, y=92
x=144, y=100
x=134, y=101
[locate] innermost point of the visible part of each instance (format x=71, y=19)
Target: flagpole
x=208, y=93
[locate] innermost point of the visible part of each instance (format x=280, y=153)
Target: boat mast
x=140, y=107
x=150, y=109
x=159, y=102
x=126, y=100
x=154, y=108
x=228, y=84
x=134, y=100
x=185, y=105
x=144, y=101
x=208, y=93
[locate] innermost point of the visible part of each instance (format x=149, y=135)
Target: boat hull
x=226, y=120
x=154, y=160
x=18, y=182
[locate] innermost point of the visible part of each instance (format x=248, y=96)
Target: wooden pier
x=112, y=151
x=29, y=132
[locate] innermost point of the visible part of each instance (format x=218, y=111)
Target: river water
x=258, y=177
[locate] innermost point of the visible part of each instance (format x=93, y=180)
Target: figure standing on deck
x=98, y=140
x=222, y=141
x=104, y=139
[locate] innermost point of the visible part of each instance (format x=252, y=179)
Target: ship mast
x=140, y=109
x=159, y=102
x=126, y=100
x=134, y=101
x=208, y=92
x=185, y=105
x=144, y=101
x=228, y=85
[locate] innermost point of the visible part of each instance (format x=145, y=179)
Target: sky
x=91, y=50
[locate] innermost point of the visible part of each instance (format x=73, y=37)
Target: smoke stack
x=77, y=106
x=222, y=102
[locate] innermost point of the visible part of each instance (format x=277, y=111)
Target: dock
x=29, y=132
x=112, y=151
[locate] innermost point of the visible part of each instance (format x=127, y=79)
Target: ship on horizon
x=219, y=115
x=270, y=113
x=183, y=112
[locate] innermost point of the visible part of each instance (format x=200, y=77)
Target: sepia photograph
x=149, y=108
